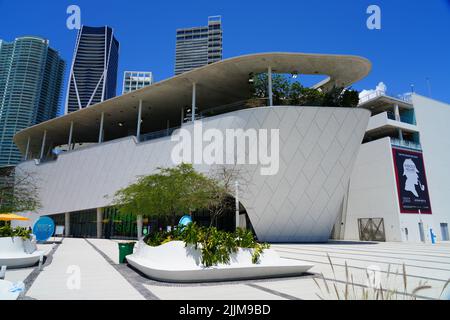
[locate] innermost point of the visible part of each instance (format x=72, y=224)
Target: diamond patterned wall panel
x=318, y=146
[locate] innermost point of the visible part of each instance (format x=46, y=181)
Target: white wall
x=433, y=120
x=318, y=147
x=372, y=191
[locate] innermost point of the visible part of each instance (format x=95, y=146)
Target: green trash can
x=125, y=249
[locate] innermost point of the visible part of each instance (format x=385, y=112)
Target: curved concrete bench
x=173, y=262
x=18, y=253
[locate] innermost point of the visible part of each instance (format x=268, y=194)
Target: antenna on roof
x=412, y=87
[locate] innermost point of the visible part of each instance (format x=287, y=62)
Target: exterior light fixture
x=250, y=77
x=120, y=124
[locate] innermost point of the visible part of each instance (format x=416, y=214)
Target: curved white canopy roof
x=217, y=84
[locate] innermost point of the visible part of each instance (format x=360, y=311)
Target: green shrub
x=216, y=245
x=8, y=231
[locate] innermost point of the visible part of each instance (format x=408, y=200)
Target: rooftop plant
x=288, y=92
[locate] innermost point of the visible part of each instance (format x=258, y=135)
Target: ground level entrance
x=114, y=225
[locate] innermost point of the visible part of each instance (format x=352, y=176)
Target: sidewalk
x=98, y=279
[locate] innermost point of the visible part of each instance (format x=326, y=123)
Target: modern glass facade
x=31, y=75
x=83, y=224
x=133, y=80
x=93, y=75
x=198, y=46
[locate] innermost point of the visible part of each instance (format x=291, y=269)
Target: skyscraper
x=93, y=75
x=198, y=46
x=31, y=75
x=133, y=80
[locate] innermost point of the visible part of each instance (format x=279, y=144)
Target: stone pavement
x=102, y=277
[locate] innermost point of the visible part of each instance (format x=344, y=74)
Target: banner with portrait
x=412, y=187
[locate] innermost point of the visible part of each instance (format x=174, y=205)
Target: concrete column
x=194, y=93
x=397, y=113
x=99, y=222
x=139, y=223
x=67, y=224
x=69, y=142
x=269, y=79
x=27, y=149
x=100, y=133
x=236, y=197
x=139, y=120
x=182, y=116
x=43, y=145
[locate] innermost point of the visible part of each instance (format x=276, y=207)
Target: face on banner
x=411, y=179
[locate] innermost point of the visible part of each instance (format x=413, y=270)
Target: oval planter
x=173, y=262
x=17, y=253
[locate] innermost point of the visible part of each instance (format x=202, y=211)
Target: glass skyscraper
x=31, y=75
x=133, y=80
x=93, y=75
x=198, y=46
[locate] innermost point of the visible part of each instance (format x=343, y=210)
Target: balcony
x=376, y=94
x=386, y=120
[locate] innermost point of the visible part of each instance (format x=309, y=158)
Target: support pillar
x=397, y=118
x=182, y=116
x=99, y=222
x=43, y=145
x=236, y=197
x=69, y=142
x=100, y=133
x=269, y=80
x=139, y=120
x=194, y=93
x=139, y=224
x=67, y=224
x=27, y=149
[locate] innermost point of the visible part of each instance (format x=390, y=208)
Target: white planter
x=16, y=252
x=173, y=262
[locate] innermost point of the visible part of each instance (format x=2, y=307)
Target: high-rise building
x=133, y=80
x=93, y=75
x=198, y=46
x=31, y=75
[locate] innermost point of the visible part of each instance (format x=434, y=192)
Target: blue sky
x=412, y=45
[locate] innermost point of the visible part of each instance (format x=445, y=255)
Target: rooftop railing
x=407, y=97
x=157, y=134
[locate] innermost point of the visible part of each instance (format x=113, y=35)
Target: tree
x=222, y=188
x=169, y=193
x=280, y=87
x=288, y=92
x=18, y=190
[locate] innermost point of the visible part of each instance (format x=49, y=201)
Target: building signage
x=412, y=187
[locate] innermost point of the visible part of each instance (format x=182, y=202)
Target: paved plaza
x=89, y=269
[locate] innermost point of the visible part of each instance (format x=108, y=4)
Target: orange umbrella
x=11, y=216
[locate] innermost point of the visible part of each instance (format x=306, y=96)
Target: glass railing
x=210, y=112
x=406, y=144
x=406, y=97
x=157, y=134
x=240, y=105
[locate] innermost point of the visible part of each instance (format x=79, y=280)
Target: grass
x=384, y=290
